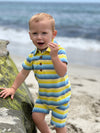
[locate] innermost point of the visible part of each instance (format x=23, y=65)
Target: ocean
x=78, y=26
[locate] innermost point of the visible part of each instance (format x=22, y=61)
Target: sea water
x=78, y=26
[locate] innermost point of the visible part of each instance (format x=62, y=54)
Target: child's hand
x=54, y=49
x=6, y=92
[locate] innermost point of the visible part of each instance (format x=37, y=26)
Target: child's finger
x=12, y=96
x=2, y=91
x=3, y=94
x=6, y=95
x=52, y=45
x=2, y=88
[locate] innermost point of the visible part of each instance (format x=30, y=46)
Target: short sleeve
x=62, y=55
x=28, y=63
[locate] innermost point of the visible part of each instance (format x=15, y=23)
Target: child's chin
x=43, y=48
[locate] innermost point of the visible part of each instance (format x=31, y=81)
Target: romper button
x=40, y=57
x=41, y=70
x=40, y=63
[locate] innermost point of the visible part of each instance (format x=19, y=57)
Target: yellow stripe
x=62, y=56
x=54, y=90
x=40, y=54
x=40, y=106
x=51, y=106
x=30, y=55
x=61, y=112
x=47, y=62
x=58, y=120
x=60, y=47
x=27, y=63
x=45, y=72
x=55, y=98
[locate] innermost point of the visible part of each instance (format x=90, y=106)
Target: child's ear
x=30, y=35
x=54, y=33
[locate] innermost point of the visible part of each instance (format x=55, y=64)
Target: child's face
x=41, y=33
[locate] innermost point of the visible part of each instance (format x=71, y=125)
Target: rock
x=16, y=114
x=3, y=48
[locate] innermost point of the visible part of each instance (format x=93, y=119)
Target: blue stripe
x=54, y=94
x=55, y=41
x=37, y=67
x=34, y=58
x=63, y=107
x=40, y=110
x=61, y=51
x=64, y=60
x=29, y=59
x=55, y=103
x=58, y=125
x=59, y=116
x=56, y=85
x=47, y=76
x=46, y=57
x=38, y=101
x=34, y=51
x=26, y=67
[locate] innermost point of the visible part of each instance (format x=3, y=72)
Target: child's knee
x=37, y=117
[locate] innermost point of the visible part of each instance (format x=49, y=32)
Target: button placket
x=41, y=70
x=41, y=63
x=40, y=57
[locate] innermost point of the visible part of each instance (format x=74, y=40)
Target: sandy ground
x=84, y=112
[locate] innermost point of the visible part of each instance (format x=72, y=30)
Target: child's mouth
x=40, y=43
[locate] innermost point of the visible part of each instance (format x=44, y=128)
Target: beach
x=78, y=31
x=84, y=111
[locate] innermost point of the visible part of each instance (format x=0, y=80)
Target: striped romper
x=54, y=91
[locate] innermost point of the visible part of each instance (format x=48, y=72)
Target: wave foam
x=20, y=41
x=79, y=43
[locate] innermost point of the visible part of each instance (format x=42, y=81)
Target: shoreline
x=84, y=111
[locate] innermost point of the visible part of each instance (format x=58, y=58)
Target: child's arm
x=60, y=67
x=18, y=81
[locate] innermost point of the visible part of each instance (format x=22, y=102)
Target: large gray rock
x=16, y=114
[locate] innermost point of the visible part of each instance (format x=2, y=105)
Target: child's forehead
x=44, y=23
x=44, y=20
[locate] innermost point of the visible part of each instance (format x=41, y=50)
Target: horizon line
x=54, y=1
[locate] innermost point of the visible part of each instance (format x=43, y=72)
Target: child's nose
x=39, y=36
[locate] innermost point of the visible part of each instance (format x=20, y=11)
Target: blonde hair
x=41, y=16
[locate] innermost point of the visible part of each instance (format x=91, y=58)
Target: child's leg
x=61, y=130
x=59, y=116
x=39, y=120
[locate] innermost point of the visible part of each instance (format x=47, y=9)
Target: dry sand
x=84, y=112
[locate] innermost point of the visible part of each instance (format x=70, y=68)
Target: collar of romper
x=39, y=51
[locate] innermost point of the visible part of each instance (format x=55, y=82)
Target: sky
x=56, y=0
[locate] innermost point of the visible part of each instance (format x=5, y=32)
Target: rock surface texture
x=16, y=114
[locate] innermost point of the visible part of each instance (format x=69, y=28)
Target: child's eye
x=35, y=33
x=44, y=33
